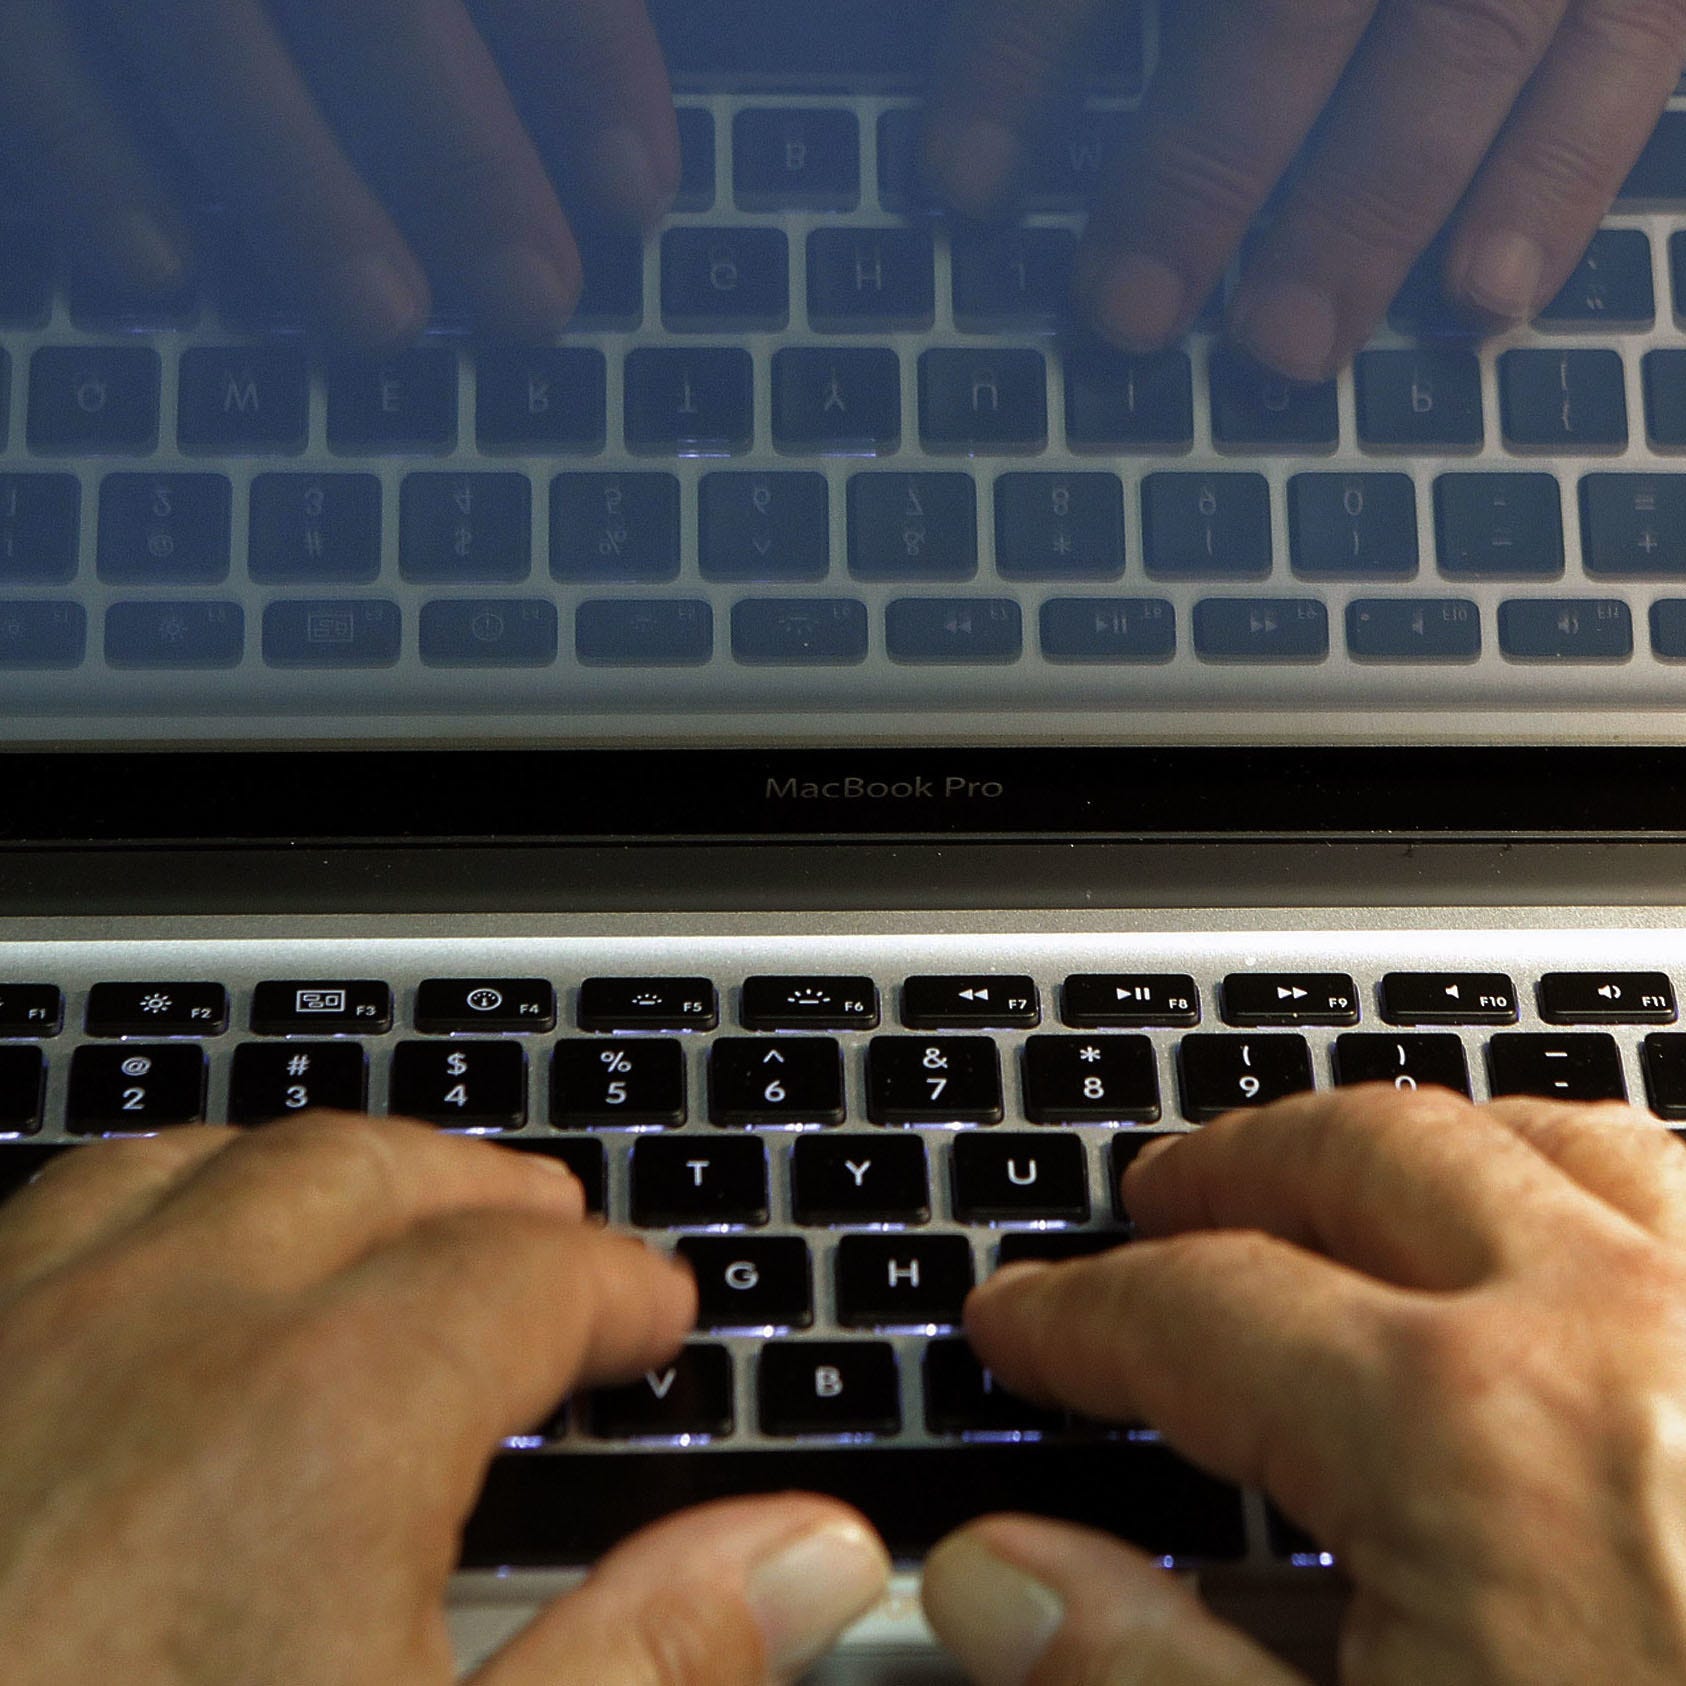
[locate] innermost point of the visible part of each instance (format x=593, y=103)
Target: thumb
x=1018, y=1599
x=739, y=1592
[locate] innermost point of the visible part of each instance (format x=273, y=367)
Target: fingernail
x=375, y=295
x=997, y=1619
x=1138, y=301
x=625, y=175
x=1503, y=277
x=526, y=290
x=155, y=261
x=809, y=1591
x=972, y=165
x=1289, y=327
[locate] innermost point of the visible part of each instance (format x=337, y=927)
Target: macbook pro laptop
x=841, y=758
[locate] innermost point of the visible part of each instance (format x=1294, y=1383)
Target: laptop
x=842, y=759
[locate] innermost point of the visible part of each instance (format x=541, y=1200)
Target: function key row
x=990, y=1001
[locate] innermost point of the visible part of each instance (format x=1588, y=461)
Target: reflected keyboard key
x=1428, y=398
x=1611, y=287
x=692, y=402
x=311, y=528
x=354, y=632
x=1206, y=526
x=1017, y=278
x=1499, y=524
x=541, y=398
x=764, y=527
x=644, y=632
x=1261, y=629
x=1668, y=628
x=1564, y=400
x=403, y=402
x=93, y=400
x=845, y=402
x=899, y=184
x=164, y=529
x=175, y=634
x=465, y=527
x=954, y=630
x=696, y=159
x=244, y=399
x=871, y=280
x=489, y=632
x=40, y=528
x=1059, y=526
x=612, y=297
x=983, y=400
x=725, y=280
x=1253, y=407
x=1114, y=398
x=913, y=526
x=1108, y=629
x=1665, y=398
x=796, y=159
x=1353, y=526
x=101, y=303
x=1566, y=629
x=27, y=263
x=1659, y=175
x=1633, y=525
x=614, y=527
x=799, y=632
x=1413, y=629
x=1067, y=168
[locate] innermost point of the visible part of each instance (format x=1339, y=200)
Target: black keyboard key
x=845, y=402
x=791, y=159
x=1002, y=1178
x=404, y=401
x=1567, y=629
x=1633, y=525
x=132, y=1088
x=1058, y=1246
x=244, y=399
x=39, y=634
x=696, y=159
x=808, y=1003
x=955, y=630
x=1406, y=1061
x=764, y=527
x=1665, y=398
x=1059, y=526
x=725, y=280
x=692, y=401
x=1499, y=525
x=551, y=1511
x=1564, y=400
x=40, y=528
x=792, y=1081
x=1066, y=170
x=1115, y=399
x=1428, y=398
x=323, y=634
x=1098, y=1000
x=21, y=1163
x=1255, y=408
x=23, y=1082
x=1576, y=1067
x=751, y=1282
x=688, y=1398
x=871, y=280
x=1611, y=287
x=612, y=294
x=847, y=1180
x=1124, y=1150
x=1090, y=1080
x=644, y=633
x=175, y=634
x=964, y=1003
x=1261, y=629
x=1206, y=526
x=983, y=401
x=450, y=1006
x=93, y=400
x=100, y=303
x=1220, y=1073
x=1014, y=278
x=1659, y=176
x=1448, y=998
x=254, y=295
x=921, y=1080
x=1664, y=1060
x=315, y=527
x=541, y=399
x=913, y=526
x=157, y=1009
x=1413, y=629
x=465, y=527
x=465, y=1085
x=631, y=1083
x=27, y=263
x=336, y=1008
x=586, y=1159
x=828, y=1387
x=900, y=187
x=902, y=1281
x=1353, y=526
x=1607, y=998
x=33, y=1010
x=648, y=1004
x=680, y=1180
x=1272, y=998
x=164, y=529
x=614, y=527
x=1108, y=629
x=271, y=1080
x=799, y=632
x=961, y=1397
x=489, y=632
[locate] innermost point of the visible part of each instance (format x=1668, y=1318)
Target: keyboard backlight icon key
x=320, y=1001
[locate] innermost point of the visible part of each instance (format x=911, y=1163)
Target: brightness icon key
x=157, y=1009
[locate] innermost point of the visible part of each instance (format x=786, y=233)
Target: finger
x=1552, y=176
x=83, y=163
x=226, y=85
x=1256, y=1360
x=1006, y=61
x=1426, y=96
x=591, y=74
x=481, y=1322
x=740, y=1591
x=418, y=99
x=287, y=1206
x=1421, y=1189
x=1616, y=1152
x=84, y=1199
x=1239, y=85
x=1015, y=1597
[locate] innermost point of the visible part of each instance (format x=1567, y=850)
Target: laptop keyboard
x=814, y=452
x=840, y=1147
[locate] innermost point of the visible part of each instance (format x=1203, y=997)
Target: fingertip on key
x=972, y=164
x=374, y=301
x=1137, y=301
x=1289, y=327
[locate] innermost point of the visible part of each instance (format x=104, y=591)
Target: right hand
x=361, y=145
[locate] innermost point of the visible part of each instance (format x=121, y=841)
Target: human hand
x=361, y=144
x=252, y=1386
x=1514, y=120
x=1446, y=1339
